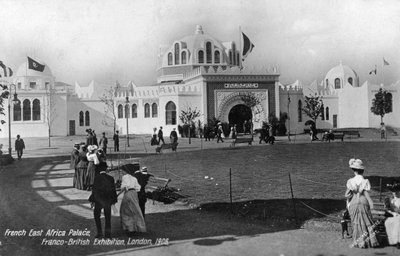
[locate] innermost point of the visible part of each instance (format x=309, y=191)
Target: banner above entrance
x=240, y=85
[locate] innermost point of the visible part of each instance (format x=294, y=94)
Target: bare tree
x=253, y=102
x=108, y=99
x=51, y=109
x=313, y=107
x=188, y=116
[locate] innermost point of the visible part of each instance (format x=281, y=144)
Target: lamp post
x=17, y=102
x=126, y=115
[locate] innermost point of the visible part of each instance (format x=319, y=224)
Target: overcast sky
x=84, y=40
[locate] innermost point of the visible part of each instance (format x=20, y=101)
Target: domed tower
x=194, y=51
x=32, y=80
x=340, y=75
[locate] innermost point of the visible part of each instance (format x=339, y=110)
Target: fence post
x=230, y=189
x=380, y=190
x=293, y=201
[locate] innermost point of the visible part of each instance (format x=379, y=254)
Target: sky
x=110, y=40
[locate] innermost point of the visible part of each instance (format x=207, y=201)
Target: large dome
x=340, y=75
x=198, y=40
x=23, y=70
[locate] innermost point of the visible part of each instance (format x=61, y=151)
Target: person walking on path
x=142, y=178
x=103, y=197
x=116, y=141
x=19, y=146
x=154, y=138
x=161, y=136
x=359, y=204
x=131, y=215
x=219, y=133
x=103, y=143
x=173, y=136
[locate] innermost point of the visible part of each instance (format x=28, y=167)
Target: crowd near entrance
x=240, y=115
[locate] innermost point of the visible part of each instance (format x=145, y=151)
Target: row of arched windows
x=170, y=111
x=181, y=56
x=154, y=110
x=84, y=119
x=338, y=83
x=28, y=112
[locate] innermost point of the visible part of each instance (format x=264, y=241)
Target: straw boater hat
x=144, y=169
x=92, y=148
x=356, y=164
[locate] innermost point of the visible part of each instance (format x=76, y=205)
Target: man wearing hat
x=160, y=136
x=103, y=196
x=219, y=133
x=74, y=160
x=103, y=143
x=143, y=178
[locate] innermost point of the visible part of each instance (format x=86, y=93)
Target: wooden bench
x=248, y=140
x=172, y=146
x=352, y=133
x=338, y=135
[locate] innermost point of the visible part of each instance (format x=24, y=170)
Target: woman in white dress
x=359, y=204
x=131, y=216
x=392, y=224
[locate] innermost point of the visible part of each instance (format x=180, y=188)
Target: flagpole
x=383, y=74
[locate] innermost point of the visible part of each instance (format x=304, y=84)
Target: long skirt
x=131, y=216
x=392, y=226
x=91, y=171
x=363, y=225
x=80, y=176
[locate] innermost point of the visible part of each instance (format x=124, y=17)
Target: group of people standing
x=360, y=204
x=158, y=137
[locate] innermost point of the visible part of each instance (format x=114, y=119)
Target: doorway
x=238, y=115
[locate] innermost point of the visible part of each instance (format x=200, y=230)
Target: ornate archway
x=238, y=115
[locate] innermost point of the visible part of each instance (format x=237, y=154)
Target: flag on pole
x=385, y=63
x=34, y=65
x=247, y=46
x=373, y=71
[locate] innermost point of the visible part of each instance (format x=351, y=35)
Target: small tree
x=313, y=107
x=188, y=116
x=251, y=101
x=382, y=103
x=4, y=93
x=108, y=99
x=51, y=109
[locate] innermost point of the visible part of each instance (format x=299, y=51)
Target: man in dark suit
x=143, y=178
x=103, y=196
x=161, y=136
x=19, y=146
x=116, y=141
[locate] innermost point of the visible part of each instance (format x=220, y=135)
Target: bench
x=248, y=140
x=172, y=146
x=158, y=190
x=352, y=133
x=338, y=135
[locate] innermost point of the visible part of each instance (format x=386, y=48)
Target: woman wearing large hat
x=392, y=224
x=91, y=169
x=359, y=204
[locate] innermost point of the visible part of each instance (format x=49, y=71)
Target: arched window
x=237, y=59
x=127, y=111
x=36, y=109
x=154, y=110
x=350, y=80
x=326, y=83
x=169, y=59
x=120, y=111
x=146, y=110
x=337, y=83
x=17, y=112
x=230, y=58
x=176, y=54
x=300, y=111
x=170, y=113
x=201, y=56
x=208, y=52
x=327, y=113
x=322, y=113
x=26, y=108
x=134, y=111
x=87, y=118
x=183, y=58
x=217, y=57
x=81, y=119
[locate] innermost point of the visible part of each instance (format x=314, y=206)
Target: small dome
x=340, y=75
x=23, y=70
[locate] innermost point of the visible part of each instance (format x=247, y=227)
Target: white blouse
x=93, y=157
x=358, y=184
x=130, y=182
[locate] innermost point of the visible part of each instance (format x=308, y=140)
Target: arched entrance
x=238, y=114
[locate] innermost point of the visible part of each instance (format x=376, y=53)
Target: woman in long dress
x=91, y=169
x=359, y=205
x=81, y=169
x=131, y=216
x=392, y=224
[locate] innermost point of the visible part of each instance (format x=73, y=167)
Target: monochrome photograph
x=188, y=127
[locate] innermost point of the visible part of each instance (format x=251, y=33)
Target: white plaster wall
x=353, y=107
